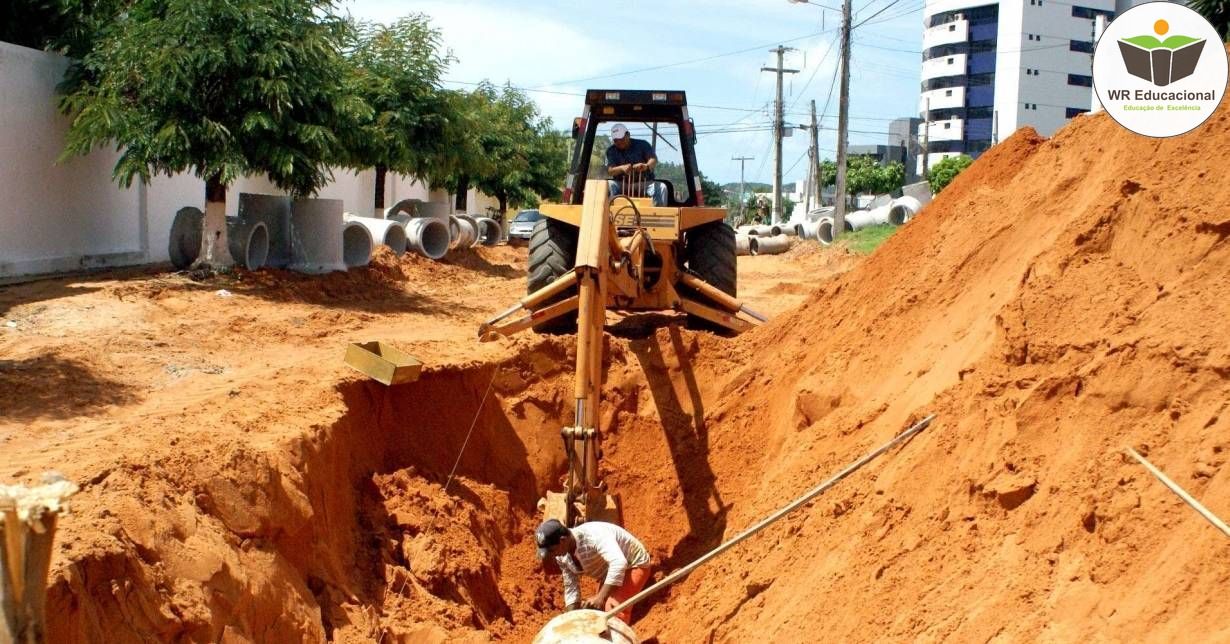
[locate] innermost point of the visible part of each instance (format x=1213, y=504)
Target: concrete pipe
x=357, y=244
x=248, y=240
x=743, y=244
x=408, y=207
x=489, y=231
x=746, y=229
x=390, y=232
x=586, y=627
x=274, y=212
x=185, y=242
x=774, y=230
x=824, y=230
x=316, y=236
x=861, y=219
x=427, y=237
x=903, y=209
x=464, y=231
x=772, y=245
x=792, y=229
x=753, y=245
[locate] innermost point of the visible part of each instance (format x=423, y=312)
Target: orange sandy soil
x=1062, y=299
x=241, y=483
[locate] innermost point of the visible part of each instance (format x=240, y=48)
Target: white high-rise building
x=991, y=67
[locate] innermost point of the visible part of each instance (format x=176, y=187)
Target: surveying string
x=764, y=523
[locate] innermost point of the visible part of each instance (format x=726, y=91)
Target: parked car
x=522, y=226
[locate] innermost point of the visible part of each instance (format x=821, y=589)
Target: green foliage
x=223, y=89
x=396, y=70
x=66, y=26
x=1217, y=12
x=504, y=147
x=864, y=175
x=715, y=196
x=945, y=171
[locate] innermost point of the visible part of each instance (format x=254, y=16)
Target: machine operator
x=630, y=163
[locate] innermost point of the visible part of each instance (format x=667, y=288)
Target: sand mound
x=1061, y=299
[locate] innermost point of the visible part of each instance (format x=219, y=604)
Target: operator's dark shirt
x=639, y=151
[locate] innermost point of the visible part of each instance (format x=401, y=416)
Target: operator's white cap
x=619, y=131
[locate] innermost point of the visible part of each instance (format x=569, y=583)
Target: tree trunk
x=380, y=172
x=463, y=187
x=503, y=205
x=214, y=250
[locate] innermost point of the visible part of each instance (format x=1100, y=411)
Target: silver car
x=522, y=226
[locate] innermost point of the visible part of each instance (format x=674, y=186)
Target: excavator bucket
x=597, y=507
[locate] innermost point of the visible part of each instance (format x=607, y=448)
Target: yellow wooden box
x=383, y=362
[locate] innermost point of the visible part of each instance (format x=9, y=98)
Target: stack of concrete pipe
x=760, y=230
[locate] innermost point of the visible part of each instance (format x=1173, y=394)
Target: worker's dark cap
x=549, y=535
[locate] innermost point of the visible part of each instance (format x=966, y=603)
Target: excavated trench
x=348, y=533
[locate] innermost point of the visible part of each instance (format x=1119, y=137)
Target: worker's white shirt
x=605, y=551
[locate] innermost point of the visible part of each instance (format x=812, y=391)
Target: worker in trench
x=629, y=164
x=603, y=551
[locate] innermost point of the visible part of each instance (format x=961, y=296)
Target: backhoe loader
x=595, y=252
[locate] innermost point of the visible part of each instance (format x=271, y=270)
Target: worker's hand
x=593, y=603
x=640, y=167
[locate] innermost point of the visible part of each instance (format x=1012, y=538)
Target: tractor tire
x=709, y=253
x=553, y=252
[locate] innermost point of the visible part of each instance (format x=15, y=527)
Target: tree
x=65, y=26
x=507, y=150
x=715, y=196
x=945, y=171
x=221, y=89
x=396, y=70
x=864, y=176
x=1217, y=12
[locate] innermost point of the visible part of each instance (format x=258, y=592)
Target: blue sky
x=562, y=47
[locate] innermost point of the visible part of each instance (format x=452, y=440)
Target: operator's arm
x=650, y=162
x=572, y=589
x=616, y=564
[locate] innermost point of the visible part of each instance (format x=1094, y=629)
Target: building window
x=1073, y=112
x=949, y=62
x=948, y=126
x=947, y=92
x=1090, y=14
x=1080, y=80
x=952, y=27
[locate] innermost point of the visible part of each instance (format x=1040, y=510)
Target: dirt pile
x=1061, y=299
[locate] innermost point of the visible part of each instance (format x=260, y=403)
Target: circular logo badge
x=1159, y=69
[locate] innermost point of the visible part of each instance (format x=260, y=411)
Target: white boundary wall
x=72, y=215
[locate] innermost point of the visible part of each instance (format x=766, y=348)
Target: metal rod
x=1187, y=498
x=764, y=523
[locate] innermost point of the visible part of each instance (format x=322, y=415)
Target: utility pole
x=843, y=121
x=814, y=171
x=778, y=111
x=926, y=136
x=742, y=202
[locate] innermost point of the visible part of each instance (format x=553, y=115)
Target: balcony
x=955, y=31
x=944, y=66
x=942, y=98
x=949, y=130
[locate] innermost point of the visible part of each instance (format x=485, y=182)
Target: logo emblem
x=1160, y=69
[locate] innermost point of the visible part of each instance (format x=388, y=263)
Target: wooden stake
x=27, y=530
x=1187, y=498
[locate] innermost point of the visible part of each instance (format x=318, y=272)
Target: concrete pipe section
x=861, y=219
x=390, y=232
x=772, y=245
x=463, y=231
x=824, y=230
x=427, y=237
x=903, y=209
x=248, y=240
x=586, y=627
x=489, y=231
x=274, y=212
x=185, y=241
x=357, y=244
x=743, y=244
x=316, y=236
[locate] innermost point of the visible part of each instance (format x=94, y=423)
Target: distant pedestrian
x=603, y=551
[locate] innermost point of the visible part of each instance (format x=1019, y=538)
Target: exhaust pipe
x=390, y=232
x=356, y=245
x=427, y=237
x=248, y=241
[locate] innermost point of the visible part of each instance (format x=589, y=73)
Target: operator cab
x=657, y=117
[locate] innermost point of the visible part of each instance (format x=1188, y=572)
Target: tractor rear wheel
x=709, y=253
x=553, y=252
